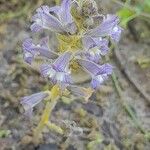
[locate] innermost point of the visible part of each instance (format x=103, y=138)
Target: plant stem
x=121, y=98
x=50, y=104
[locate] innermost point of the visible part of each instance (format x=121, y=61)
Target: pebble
x=26, y=140
x=93, y=109
x=51, y=146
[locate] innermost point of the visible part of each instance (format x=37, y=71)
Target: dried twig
x=129, y=76
x=125, y=105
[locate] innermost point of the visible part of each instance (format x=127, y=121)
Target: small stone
x=104, y=89
x=94, y=109
x=71, y=147
x=26, y=140
x=51, y=146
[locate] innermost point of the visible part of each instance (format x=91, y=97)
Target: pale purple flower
x=99, y=73
x=108, y=27
x=93, y=55
x=31, y=50
x=57, y=18
x=100, y=43
x=94, y=48
x=58, y=72
x=31, y=101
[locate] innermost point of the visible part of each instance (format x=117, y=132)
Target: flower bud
x=89, y=8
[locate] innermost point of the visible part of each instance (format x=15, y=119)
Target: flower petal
x=105, y=69
x=30, y=50
x=58, y=72
x=100, y=43
x=91, y=67
x=43, y=19
x=91, y=55
x=62, y=61
x=88, y=42
x=105, y=28
x=31, y=101
x=65, y=14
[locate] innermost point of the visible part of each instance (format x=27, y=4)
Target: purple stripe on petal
x=105, y=28
x=105, y=69
x=88, y=42
x=31, y=50
x=58, y=72
x=45, y=20
x=91, y=56
x=65, y=14
x=99, y=73
x=45, y=70
x=62, y=61
x=35, y=27
x=99, y=43
x=57, y=18
x=91, y=67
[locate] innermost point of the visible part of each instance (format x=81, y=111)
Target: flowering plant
x=83, y=37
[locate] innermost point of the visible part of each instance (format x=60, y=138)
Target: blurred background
x=112, y=121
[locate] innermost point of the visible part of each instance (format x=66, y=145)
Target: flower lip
x=99, y=73
x=107, y=28
x=58, y=71
x=31, y=101
x=42, y=49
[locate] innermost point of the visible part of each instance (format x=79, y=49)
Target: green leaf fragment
x=4, y=133
x=125, y=16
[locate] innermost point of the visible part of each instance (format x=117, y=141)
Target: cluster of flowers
x=94, y=41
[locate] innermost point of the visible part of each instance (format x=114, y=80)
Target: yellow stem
x=55, y=92
x=57, y=2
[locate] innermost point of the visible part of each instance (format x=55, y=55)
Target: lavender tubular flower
x=100, y=43
x=58, y=72
x=44, y=20
x=57, y=18
x=42, y=49
x=31, y=101
x=99, y=73
x=94, y=48
x=109, y=27
x=91, y=55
